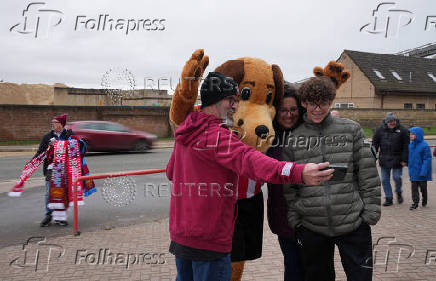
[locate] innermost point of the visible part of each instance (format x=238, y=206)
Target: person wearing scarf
x=66, y=164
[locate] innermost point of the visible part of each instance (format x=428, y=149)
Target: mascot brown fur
x=261, y=87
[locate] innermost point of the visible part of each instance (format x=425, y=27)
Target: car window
x=92, y=126
x=115, y=127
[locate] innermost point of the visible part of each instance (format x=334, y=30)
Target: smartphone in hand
x=339, y=173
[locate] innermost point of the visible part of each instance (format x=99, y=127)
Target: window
x=420, y=106
x=115, y=127
x=91, y=126
x=408, y=106
x=378, y=73
x=397, y=76
x=432, y=76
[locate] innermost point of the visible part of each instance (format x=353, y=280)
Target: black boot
x=400, y=197
x=413, y=206
x=46, y=221
x=388, y=202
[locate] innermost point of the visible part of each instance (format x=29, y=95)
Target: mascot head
x=261, y=89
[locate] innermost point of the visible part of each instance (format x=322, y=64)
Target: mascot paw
x=335, y=71
x=192, y=72
x=186, y=91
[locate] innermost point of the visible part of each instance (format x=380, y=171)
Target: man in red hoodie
x=204, y=169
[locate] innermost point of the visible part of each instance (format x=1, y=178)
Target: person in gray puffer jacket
x=338, y=211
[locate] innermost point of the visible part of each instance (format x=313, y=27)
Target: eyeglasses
x=290, y=110
x=232, y=100
x=54, y=122
x=313, y=105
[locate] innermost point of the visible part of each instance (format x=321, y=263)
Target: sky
x=60, y=42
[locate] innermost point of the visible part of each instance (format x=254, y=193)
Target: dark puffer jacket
x=336, y=207
x=393, y=145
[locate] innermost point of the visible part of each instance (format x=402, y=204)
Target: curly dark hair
x=317, y=89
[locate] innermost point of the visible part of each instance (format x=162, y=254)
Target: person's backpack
x=434, y=152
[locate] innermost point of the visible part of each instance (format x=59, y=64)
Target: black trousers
x=317, y=252
x=248, y=233
x=415, y=191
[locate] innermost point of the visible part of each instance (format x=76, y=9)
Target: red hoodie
x=204, y=168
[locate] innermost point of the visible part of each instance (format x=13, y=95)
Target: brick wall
x=31, y=122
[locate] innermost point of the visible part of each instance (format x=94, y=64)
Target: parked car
x=109, y=136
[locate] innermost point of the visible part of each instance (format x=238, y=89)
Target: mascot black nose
x=261, y=131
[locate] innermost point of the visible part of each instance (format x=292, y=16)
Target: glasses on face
x=55, y=122
x=232, y=100
x=290, y=110
x=314, y=105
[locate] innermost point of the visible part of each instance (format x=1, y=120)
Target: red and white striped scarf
x=28, y=170
x=66, y=169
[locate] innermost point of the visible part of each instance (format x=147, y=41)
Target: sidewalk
x=404, y=250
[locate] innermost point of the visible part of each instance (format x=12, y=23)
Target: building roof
x=397, y=73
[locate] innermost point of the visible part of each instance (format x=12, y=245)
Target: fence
x=102, y=176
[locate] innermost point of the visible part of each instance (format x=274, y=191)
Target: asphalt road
x=146, y=200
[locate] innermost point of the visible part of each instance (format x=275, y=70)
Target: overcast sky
x=295, y=35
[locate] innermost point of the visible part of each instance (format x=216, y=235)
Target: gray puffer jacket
x=336, y=207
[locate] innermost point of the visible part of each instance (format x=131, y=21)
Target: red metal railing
x=102, y=176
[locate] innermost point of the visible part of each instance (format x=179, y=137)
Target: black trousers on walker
x=415, y=191
x=317, y=252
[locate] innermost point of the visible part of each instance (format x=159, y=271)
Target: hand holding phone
x=340, y=171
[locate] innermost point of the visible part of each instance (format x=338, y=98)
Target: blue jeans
x=47, y=195
x=386, y=180
x=217, y=270
x=292, y=259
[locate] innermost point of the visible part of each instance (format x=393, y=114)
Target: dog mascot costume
x=261, y=87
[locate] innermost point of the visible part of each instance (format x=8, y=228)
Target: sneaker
x=61, y=223
x=400, y=197
x=388, y=202
x=46, y=221
x=413, y=206
x=424, y=204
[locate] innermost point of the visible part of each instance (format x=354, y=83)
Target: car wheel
x=141, y=146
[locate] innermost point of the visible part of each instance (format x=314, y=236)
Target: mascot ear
x=279, y=84
x=318, y=71
x=232, y=68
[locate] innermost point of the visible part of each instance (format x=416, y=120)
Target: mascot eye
x=245, y=93
x=268, y=97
